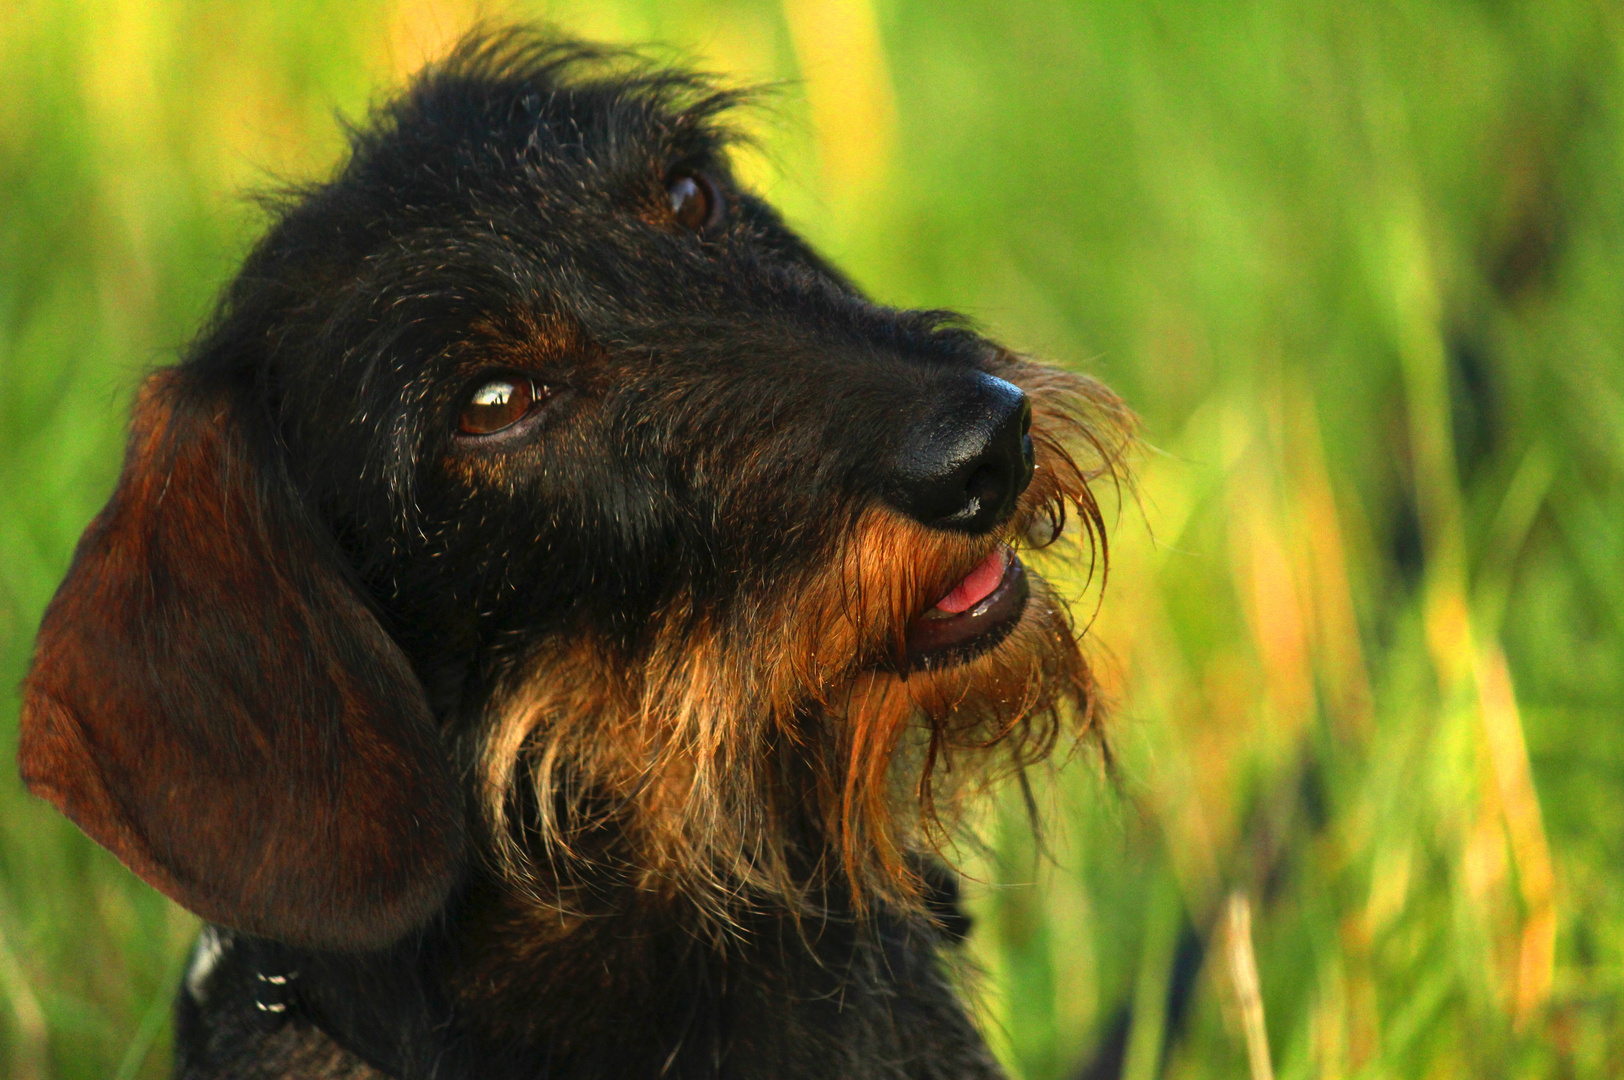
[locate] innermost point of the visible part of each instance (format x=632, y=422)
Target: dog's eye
x=497, y=404
x=695, y=202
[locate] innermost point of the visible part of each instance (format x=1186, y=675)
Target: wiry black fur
x=639, y=997
x=721, y=397
x=515, y=179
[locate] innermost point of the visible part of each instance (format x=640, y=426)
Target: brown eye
x=497, y=404
x=695, y=202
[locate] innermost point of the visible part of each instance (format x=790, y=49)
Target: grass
x=1357, y=266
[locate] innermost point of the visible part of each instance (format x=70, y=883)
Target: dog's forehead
x=540, y=185
x=496, y=135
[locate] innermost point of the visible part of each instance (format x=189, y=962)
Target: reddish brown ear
x=211, y=702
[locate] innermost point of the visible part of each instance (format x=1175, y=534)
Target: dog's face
x=533, y=464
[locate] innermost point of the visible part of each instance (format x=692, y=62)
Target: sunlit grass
x=1358, y=267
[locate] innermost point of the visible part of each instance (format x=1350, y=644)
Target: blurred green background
x=1359, y=267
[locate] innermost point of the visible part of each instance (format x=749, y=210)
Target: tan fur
x=703, y=753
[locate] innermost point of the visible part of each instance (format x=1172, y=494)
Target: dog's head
x=537, y=493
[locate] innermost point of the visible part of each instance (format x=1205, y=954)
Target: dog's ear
x=212, y=702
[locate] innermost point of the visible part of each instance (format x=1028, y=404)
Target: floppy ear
x=212, y=702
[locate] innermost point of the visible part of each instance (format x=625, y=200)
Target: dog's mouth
x=977, y=615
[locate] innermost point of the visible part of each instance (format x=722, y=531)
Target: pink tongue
x=979, y=585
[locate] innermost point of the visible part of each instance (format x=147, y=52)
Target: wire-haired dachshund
x=550, y=617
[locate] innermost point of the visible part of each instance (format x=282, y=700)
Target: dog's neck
x=495, y=991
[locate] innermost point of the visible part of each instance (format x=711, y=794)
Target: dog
x=549, y=621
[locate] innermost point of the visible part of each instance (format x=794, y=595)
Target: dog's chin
x=953, y=633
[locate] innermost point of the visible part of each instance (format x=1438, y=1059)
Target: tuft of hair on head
x=509, y=75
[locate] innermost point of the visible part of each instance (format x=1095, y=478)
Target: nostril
x=985, y=489
x=963, y=465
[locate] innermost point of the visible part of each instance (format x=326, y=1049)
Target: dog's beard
x=789, y=751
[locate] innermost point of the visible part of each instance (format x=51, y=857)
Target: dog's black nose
x=964, y=463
